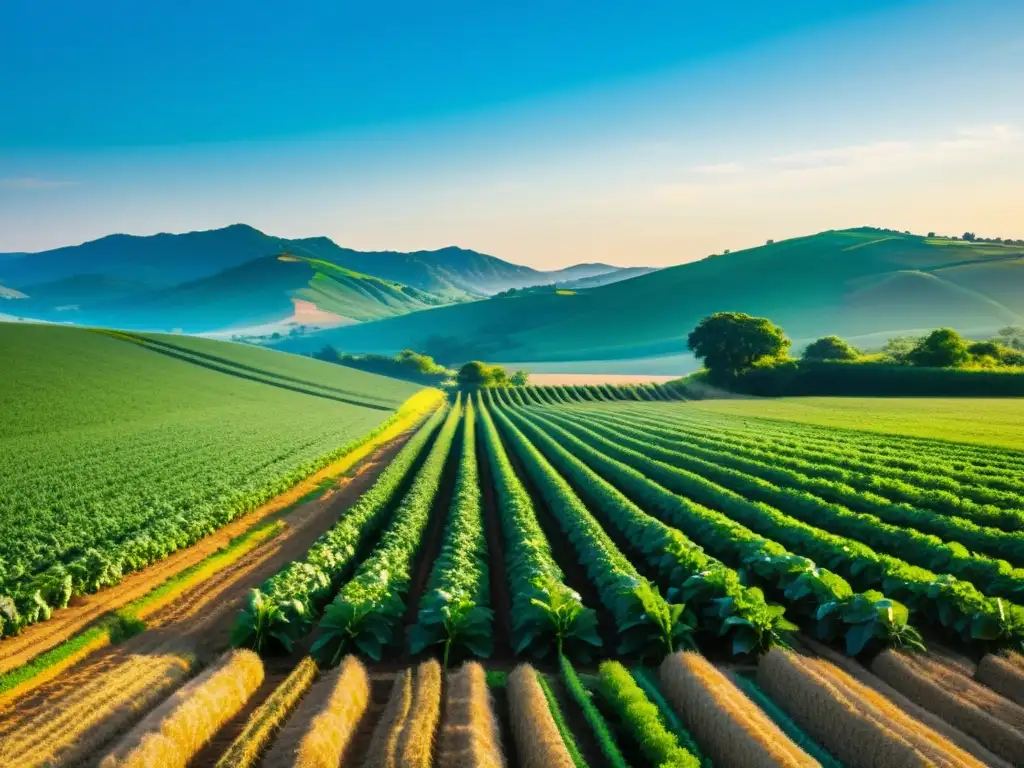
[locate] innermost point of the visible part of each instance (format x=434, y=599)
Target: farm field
x=998, y=422
x=116, y=451
x=583, y=576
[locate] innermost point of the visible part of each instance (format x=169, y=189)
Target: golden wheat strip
x=726, y=723
x=1004, y=674
x=954, y=698
x=951, y=660
x=173, y=733
x=933, y=745
x=833, y=709
x=321, y=727
x=469, y=735
x=263, y=723
x=883, y=694
x=538, y=741
x=66, y=734
x=383, y=751
x=416, y=744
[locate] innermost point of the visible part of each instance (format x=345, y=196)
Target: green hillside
x=115, y=452
x=851, y=282
x=257, y=292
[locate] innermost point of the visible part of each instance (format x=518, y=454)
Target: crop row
x=928, y=483
x=994, y=542
x=944, y=600
x=454, y=611
x=826, y=603
x=95, y=521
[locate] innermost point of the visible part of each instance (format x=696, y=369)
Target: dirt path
x=197, y=623
x=39, y=638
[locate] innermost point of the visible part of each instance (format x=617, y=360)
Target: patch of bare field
x=562, y=379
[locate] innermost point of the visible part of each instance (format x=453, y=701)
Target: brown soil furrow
x=39, y=638
x=501, y=604
x=200, y=618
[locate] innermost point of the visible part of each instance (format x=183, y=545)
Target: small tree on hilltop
x=942, y=348
x=830, y=348
x=729, y=342
x=520, y=379
x=474, y=374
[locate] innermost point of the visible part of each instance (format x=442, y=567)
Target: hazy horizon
x=645, y=137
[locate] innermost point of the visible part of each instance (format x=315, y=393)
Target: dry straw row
x=538, y=741
x=96, y=712
x=263, y=723
x=980, y=712
x=173, y=733
x=728, y=725
x=469, y=736
x=322, y=725
x=1003, y=674
x=851, y=720
x=405, y=734
x=864, y=676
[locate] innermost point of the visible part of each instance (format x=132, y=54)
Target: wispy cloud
x=719, y=169
x=34, y=183
x=845, y=163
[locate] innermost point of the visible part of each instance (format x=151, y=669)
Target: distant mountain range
x=853, y=282
x=233, y=278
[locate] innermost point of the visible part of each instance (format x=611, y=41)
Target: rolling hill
x=850, y=282
x=266, y=290
x=86, y=274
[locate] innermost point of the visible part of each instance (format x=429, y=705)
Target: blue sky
x=545, y=133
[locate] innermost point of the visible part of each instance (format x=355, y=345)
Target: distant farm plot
x=996, y=421
x=558, y=379
x=116, y=450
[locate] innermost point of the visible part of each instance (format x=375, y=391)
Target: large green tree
x=942, y=348
x=730, y=342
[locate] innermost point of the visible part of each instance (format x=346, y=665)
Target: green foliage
x=830, y=348
x=843, y=541
x=519, y=379
x=713, y=591
x=942, y=348
x=368, y=609
x=1012, y=336
x=730, y=342
x=283, y=609
x=827, y=601
x=647, y=624
x=646, y=681
x=119, y=452
x=407, y=364
x=602, y=733
x=476, y=374
x=454, y=612
x=546, y=614
x=642, y=718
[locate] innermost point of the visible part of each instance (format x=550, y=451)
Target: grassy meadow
x=997, y=422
